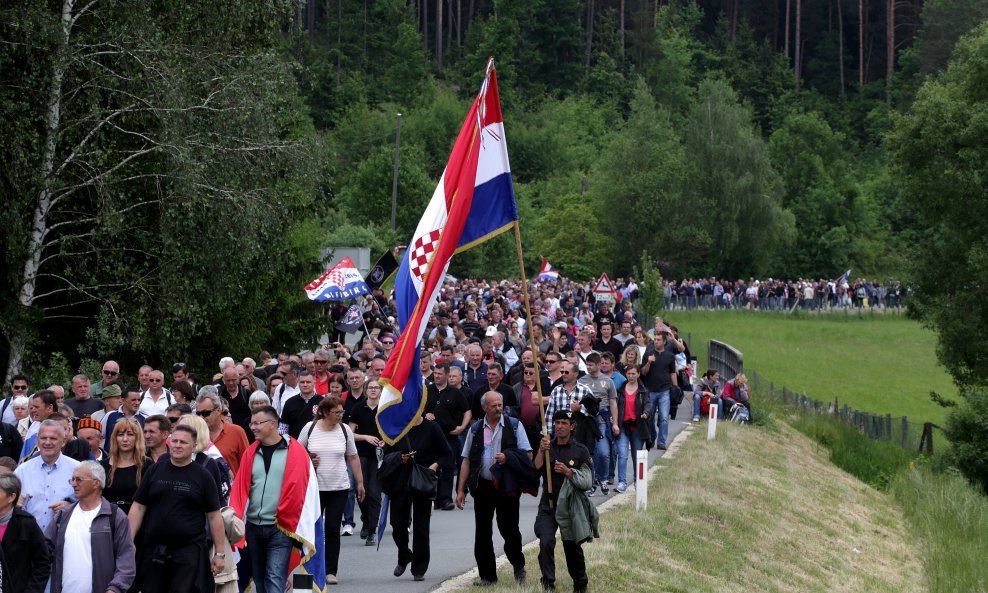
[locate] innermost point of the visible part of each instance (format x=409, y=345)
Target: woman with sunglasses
x=331, y=445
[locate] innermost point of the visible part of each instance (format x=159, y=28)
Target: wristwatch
x=219, y=555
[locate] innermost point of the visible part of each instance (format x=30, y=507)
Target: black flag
x=382, y=270
x=351, y=321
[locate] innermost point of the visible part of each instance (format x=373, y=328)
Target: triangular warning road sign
x=604, y=285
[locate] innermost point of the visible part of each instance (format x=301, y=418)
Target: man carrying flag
x=473, y=202
x=276, y=493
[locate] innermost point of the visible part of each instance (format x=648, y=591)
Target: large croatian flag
x=473, y=202
x=341, y=282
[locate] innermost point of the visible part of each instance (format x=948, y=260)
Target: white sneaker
x=347, y=530
x=696, y=418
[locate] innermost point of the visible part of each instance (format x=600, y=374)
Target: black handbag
x=423, y=481
x=392, y=475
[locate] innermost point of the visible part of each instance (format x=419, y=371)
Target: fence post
x=755, y=379
x=888, y=427
x=771, y=389
x=905, y=432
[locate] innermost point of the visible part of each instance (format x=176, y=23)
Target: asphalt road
x=365, y=568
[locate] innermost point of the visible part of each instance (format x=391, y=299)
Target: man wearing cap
x=111, y=372
x=110, y=398
x=83, y=405
x=570, y=477
x=91, y=431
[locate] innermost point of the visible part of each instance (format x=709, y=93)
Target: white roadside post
x=712, y=423
x=641, y=479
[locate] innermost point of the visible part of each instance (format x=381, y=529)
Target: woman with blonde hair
x=126, y=463
x=630, y=357
x=735, y=392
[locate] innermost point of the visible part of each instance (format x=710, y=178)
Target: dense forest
x=171, y=169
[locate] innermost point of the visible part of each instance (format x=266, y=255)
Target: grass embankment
x=885, y=364
x=756, y=510
x=947, y=517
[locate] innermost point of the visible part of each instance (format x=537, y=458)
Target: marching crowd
x=114, y=486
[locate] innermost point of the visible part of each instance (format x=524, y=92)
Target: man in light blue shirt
x=45, y=479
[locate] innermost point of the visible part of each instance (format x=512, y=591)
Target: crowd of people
x=776, y=294
x=148, y=487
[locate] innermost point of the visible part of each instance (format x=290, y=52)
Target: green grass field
x=881, y=364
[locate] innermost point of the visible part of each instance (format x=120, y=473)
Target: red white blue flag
x=473, y=202
x=547, y=272
x=341, y=282
x=298, y=515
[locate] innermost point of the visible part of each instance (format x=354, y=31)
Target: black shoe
x=364, y=532
x=483, y=583
x=582, y=589
x=548, y=587
x=370, y=541
x=520, y=575
x=418, y=577
x=660, y=447
x=400, y=569
x=604, y=489
x=449, y=506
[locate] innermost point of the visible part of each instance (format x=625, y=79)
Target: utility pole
x=394, y=179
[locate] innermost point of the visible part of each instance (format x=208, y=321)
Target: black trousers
x=448, y=471
x=419, y=509
x=370, y=509
x=486, y=504
x=332, y=503
x=176, y=569
x=545, y=530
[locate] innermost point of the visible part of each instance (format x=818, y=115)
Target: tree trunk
x=889, y=49
x=589, y=50
x=439, y=35
x=786, y=29
x=840, y=45
x=425, y=25
x=459, y=23
x=861, y=43
x=621, y=30
x=39, y=227
x=797, y=42
x=310, y=18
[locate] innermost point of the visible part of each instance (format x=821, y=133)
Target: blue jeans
x=628, y=444
x=660, y=399
x=269, y=551
x=602, y=452
x=697, y=396
x=351, y=500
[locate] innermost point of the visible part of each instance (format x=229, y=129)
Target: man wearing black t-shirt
x=658, y=376
x=301, y=409
x=173, y=502
x=450, y=409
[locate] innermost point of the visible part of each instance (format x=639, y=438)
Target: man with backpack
x=496, y=440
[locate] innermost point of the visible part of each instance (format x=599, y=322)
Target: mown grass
x=884, y=364
x=754, y=511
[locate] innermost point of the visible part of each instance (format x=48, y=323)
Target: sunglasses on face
x=204, y=413
x=111, y=373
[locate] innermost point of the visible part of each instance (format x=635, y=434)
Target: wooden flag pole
x=531, y=344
